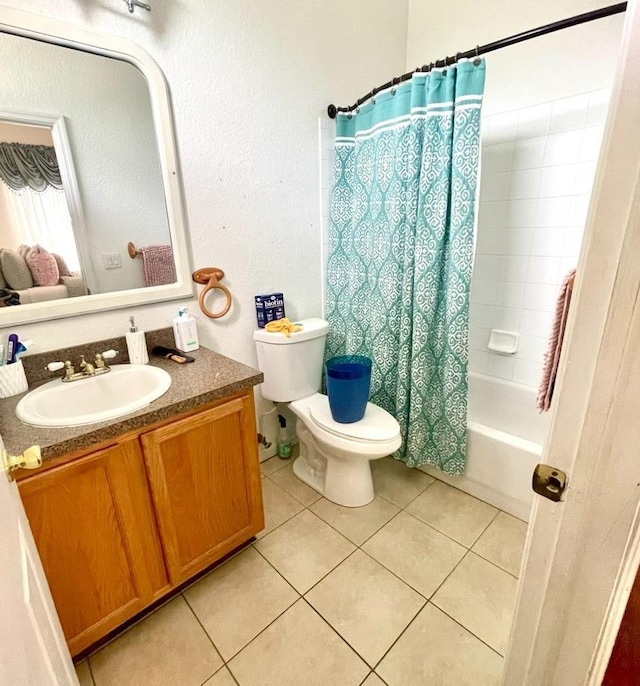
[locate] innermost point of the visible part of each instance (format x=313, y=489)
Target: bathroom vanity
x=125, y=512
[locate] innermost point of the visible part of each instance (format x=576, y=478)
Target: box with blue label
x=269, y=308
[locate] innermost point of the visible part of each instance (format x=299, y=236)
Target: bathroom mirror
x=93, y=112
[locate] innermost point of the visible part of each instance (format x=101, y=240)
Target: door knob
x=31, y=458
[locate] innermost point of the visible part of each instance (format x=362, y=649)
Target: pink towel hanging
x=554, y=347
x=158, y=265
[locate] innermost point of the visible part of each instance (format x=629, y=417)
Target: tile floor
x=418, y=587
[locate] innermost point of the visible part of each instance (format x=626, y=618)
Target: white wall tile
x=525, y=184
x=478, y=361
x=514, y=268
x=483, y=292
x=572, y=243
x=567, y=263
x=591, y=142
x=568, y=114
x=578, y=210
x=509, y=294
x=531, y=348
x=540, y=297
x=506, y=318
x=543, y=270
x=480, y=316
x=598, y=106
x=552, y=211
x=527, y=372
x=492, y=215
x=500, y=365
x=516, y=242
x=558, y=180
x=528, y=153
x=495, y=186
x=499, y=128
x=533, y=121
x=562, y=148
x=497, y=158
x=520, y=214
x=479, y=338
x=583, y=182
x=536, y=323
x=486, y=267
x=548, y=242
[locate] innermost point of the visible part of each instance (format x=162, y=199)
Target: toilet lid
x=376, y=425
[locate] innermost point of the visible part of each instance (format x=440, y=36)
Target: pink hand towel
x=158, y=265
x=554, y=347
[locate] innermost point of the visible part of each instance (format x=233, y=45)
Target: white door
x=582, y=554
x=33, y=651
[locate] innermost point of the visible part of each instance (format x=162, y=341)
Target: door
x=582, y=554
x=205, y=481
x=94, y=528
x=32, y=649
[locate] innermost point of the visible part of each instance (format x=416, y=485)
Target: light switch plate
x=112, y=260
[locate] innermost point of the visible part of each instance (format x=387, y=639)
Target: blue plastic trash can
x=348, y=382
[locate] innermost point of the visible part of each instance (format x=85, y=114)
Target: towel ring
x=210, y=277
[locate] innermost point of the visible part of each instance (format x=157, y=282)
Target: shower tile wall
x=537, y=171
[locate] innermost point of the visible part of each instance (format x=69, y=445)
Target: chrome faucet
x=88, y=369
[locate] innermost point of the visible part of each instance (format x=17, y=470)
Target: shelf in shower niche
x=503, y=342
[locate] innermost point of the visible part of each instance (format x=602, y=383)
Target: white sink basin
x=126, y=388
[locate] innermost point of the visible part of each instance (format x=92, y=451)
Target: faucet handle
x=54, y=366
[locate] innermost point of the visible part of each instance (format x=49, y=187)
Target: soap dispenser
x=136, y=344
x=185, y=331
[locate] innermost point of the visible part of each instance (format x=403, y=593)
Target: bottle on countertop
x=284, y=444
x=185, y=331
x=136, y=344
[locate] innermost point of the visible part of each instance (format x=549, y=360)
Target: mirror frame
x=28, y=25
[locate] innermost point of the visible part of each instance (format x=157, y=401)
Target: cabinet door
x=94, y=527
x=205, y=482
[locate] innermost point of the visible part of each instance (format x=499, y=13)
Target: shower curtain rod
x=332, y=110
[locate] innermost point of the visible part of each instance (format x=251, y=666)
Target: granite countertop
x=210, y=377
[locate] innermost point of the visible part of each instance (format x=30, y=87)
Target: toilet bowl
x=334, y=457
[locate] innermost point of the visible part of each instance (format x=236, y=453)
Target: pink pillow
x=43, y=266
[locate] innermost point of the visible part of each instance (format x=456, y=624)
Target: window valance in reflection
x=35, y=166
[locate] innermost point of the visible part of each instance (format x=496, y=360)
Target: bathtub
x=505, y=438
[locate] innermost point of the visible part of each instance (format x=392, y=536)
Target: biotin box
x=269, y=308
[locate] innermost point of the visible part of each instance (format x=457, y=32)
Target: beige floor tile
x=298, y=648
x=273, y=464
x=221, y=678
x=481, y=597
x=304, y=549
x=396, y=482
x=435, y=650
x=84, y=674
x=286, y=479
x=169, y=647
x=356, y=523
x=238, y=600
x=418, y=554
x=456, y=514
x=503, y=542
x=373, y=680
x=278, y=506
x=366, y=604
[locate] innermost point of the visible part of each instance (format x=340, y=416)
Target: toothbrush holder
x=12, y=379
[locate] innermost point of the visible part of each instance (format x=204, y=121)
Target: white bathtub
x=505, y=437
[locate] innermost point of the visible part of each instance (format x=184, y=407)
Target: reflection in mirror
x=67, y=215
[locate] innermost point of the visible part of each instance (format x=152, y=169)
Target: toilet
x=334, y=457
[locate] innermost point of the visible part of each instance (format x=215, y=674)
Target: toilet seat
x=377, y=425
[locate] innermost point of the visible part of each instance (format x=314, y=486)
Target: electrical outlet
x=112, y=260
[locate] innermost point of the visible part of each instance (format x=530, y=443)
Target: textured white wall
x=109, y=122
x=576, y=60
x=248, y=82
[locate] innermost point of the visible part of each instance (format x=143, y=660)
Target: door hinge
x=549, y=482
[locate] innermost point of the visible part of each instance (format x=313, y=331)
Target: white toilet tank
x=292, y=367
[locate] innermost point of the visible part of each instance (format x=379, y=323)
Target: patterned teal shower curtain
x=401, y=252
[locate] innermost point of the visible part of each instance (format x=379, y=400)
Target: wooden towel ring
x=210, y=278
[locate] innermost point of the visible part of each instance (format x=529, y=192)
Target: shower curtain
x=401, y=252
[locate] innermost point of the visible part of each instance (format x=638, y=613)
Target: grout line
x=93, y=680
x=495, y=564
x=193, y=612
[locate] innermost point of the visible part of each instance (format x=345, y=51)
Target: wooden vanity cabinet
x=95, y=530
x=119, y=528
